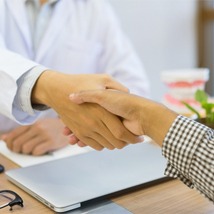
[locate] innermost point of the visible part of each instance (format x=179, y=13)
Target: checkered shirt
x=189, y=149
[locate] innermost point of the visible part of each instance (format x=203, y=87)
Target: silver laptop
x=66, y=183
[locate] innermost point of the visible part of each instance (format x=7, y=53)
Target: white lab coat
x=83, y=37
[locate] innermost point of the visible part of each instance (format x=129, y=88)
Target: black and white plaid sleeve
x=189, y=149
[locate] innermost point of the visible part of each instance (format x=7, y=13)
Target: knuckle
x=110, y=147
x=120, y=145
x=9, y=145
x=127, y=90
x=106, y=78
x=15, y=146
x=26, y=149
x=99, y=148
x=16, y=149
x=37, y=153
x=8, y=141
x=120, y=134
x=38, y=126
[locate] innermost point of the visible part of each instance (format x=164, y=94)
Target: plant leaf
x=201, y=96
x=191, y=109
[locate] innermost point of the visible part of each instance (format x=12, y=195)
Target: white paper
x=28, y=160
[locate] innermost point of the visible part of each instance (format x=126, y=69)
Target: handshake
x=99, y=112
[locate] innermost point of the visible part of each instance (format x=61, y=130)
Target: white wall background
x=164, y=34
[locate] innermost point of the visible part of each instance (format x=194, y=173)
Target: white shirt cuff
x=25, y=84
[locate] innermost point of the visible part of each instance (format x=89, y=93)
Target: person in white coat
x=70, y=36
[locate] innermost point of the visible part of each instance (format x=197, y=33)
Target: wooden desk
x=170, y=197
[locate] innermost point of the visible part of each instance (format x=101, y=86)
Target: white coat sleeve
x=12, y=68
x=119, y=58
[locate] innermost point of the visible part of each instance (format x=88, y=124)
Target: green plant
x=202, y=97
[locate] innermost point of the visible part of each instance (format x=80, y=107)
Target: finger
x=108, y=99
x=81, y=144
x=118, y=135
x=98, y=138
x=31, y=144
x=3, y=137
x=29, y=138
x=42, y=148
x=73, y=139
x=92, y=125
x=92, y=143
x=66, y=131
x=77, y=136
x=113, y=84
x=104, y=142
x=19, y=142
x=112, y=131
x=102, y=134
x=10, y=137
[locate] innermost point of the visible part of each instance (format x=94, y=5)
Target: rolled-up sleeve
x=189, y=149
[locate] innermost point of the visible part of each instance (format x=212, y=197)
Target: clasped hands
x=87, y=123
x=120, y=131
x=125, y=128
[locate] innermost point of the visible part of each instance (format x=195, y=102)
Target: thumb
x=116, y=102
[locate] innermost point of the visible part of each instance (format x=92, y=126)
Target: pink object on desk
x=182, y=85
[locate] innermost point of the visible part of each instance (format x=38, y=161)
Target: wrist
x=42, y=88
x=157, y=120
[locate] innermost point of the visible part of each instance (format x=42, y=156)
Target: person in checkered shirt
x=187, y=145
